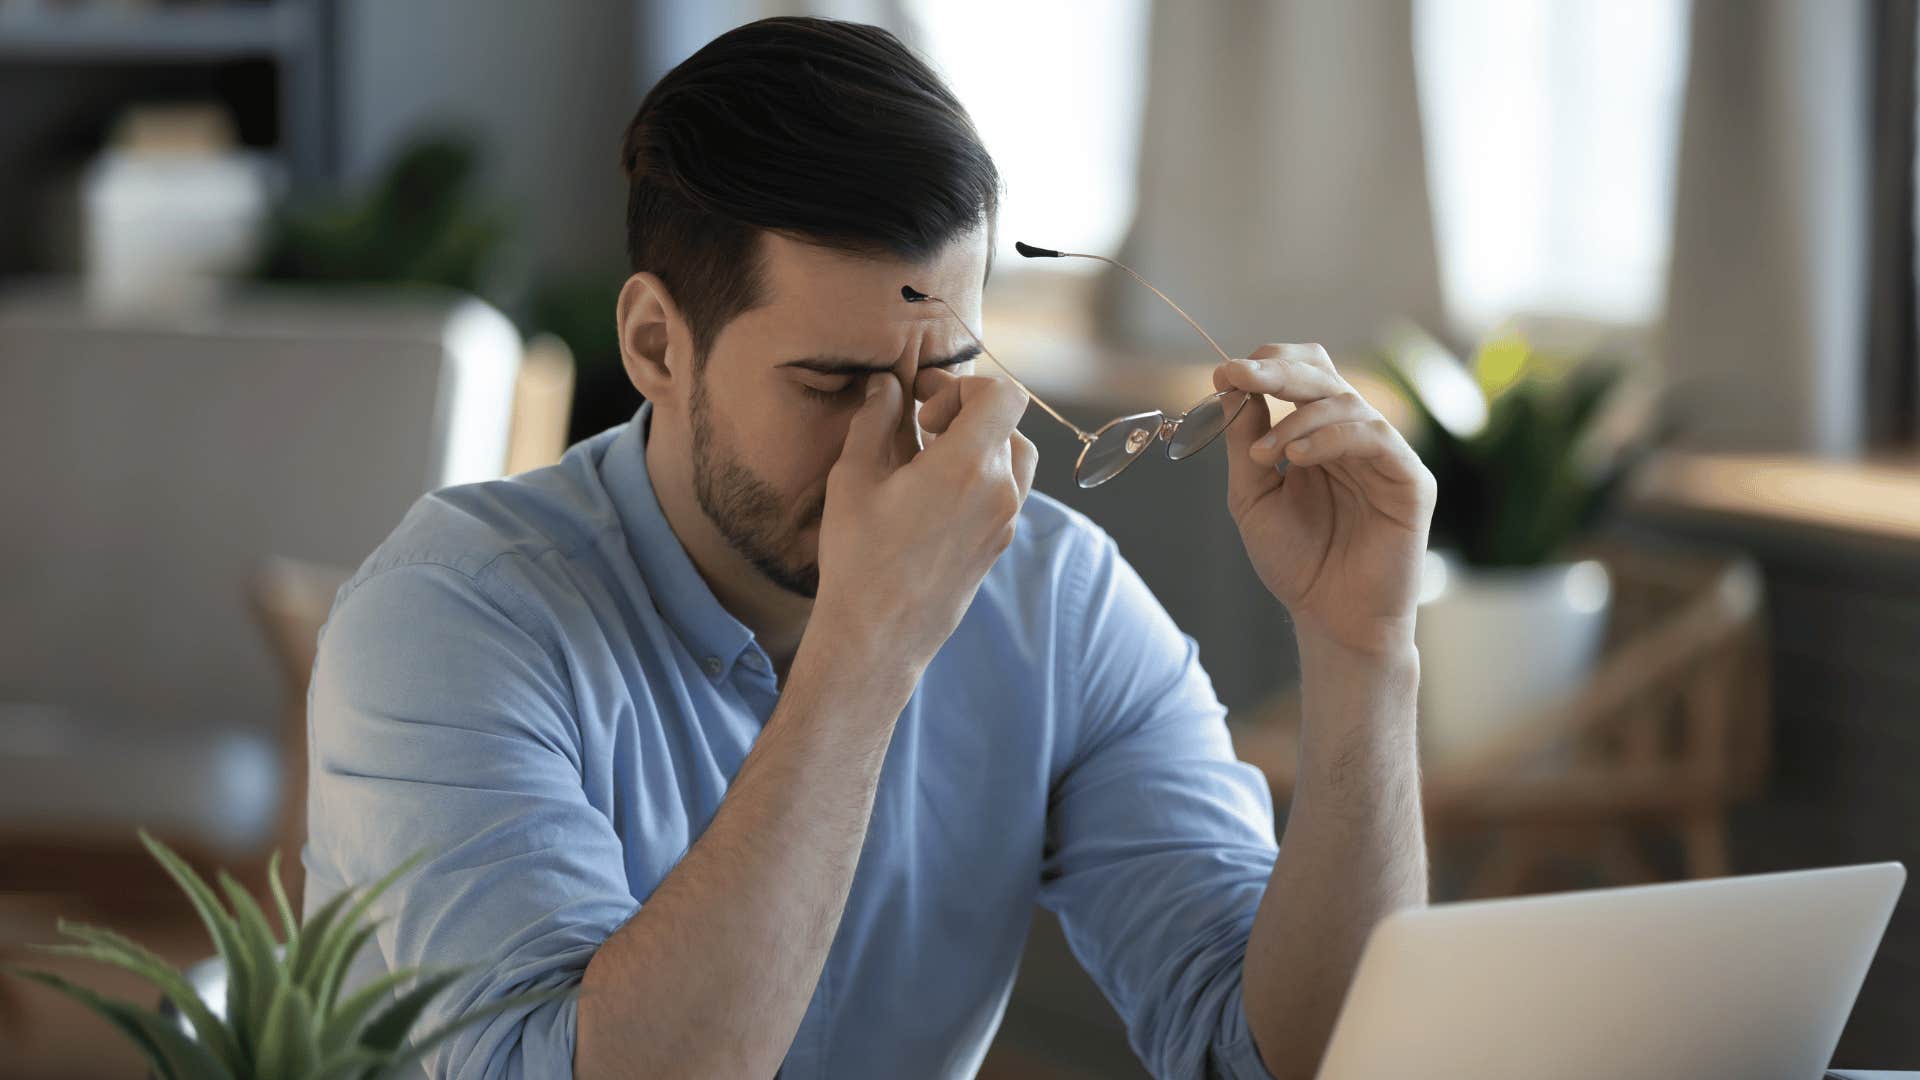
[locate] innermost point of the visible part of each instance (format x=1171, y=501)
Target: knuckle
x=1312, y=354
x=1324, y=408
x=1010, y=501
x=988, y=471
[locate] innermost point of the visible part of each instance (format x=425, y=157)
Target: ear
x=655, y=347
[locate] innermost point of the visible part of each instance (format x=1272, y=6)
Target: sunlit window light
x=1551, y=131
x=1055, y=89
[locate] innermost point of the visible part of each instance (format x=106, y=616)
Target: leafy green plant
x=422, y=222
x=1528, y=466
x=286, y=1017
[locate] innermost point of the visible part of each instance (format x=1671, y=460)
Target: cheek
x=792, y=449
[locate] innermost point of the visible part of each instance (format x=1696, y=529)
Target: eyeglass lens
x=1204, y=423
x=1115, y=447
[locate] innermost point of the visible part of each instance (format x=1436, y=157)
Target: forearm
x=712, y=975
x=1354, y=849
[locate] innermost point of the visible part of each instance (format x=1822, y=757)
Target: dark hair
x=830, y=132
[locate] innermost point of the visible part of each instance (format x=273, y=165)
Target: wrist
x=856, y=655
x=1374, y=642
x=1379, y=680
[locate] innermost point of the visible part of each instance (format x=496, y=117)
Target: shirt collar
x=715, y=638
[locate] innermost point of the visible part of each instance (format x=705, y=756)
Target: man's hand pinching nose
x=942, y=394
x=906, y=538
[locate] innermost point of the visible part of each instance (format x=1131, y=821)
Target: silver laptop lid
x=1749, y=977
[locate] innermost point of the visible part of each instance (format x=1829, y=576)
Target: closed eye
x=834, y=394
x=829, y=367
x=846, y=378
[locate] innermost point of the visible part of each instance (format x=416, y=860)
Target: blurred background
x=1636, y=276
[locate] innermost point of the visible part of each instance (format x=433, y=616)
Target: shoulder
x=487, y=537
x=1052, y=535
x=1056, y=559
x=468, y=528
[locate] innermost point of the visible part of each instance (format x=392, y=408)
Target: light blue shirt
x=530, y=682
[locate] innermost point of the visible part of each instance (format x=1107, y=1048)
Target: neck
x=777, y=617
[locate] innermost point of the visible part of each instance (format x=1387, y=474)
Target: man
x=767, y=728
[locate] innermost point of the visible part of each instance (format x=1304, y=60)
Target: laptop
x=1747, y=977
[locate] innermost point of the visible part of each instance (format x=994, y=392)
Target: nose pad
x=1137, y=440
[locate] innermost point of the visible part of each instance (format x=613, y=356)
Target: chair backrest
x=150, y=468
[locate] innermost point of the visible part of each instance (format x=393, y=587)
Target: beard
x=750, y=514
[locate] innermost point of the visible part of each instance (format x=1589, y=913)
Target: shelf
x=107, y=34
x=1875, y=498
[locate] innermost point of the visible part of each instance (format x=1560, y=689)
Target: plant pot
x=1498, y=644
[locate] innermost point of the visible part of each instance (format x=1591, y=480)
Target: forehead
x=829, y=290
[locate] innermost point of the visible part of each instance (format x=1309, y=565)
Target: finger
x=1025, y=458
x=929, y=381
x=988, y=411
x=1264, y=352
x=939, y=393
x=1270, y=449
x=1356, y=439
x=1247, y=479
x=1311, y=353
x=875, y=427
x=1288, y=378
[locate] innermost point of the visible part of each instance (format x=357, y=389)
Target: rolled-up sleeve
x=1160, y=842
x=441, y=724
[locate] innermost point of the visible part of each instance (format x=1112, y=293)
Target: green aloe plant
x=1541, y=455
x=286, y=1017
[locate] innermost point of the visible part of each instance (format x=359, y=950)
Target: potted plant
x=287, y=1015
x=1529, y=447
x=422, y=222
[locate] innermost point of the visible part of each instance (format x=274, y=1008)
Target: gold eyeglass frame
x=1143, y=429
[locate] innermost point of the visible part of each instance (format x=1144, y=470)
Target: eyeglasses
x=1106, y=451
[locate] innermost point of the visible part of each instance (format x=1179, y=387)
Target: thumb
x=871, y=433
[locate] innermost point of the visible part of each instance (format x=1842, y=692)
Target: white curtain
x=1283, y=191
x=1766, y=315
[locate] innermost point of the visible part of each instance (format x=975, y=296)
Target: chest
x=961, y=799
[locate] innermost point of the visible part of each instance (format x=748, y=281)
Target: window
x=1551, y=130
x=1055, y=89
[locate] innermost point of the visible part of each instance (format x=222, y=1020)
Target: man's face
x=769, y=410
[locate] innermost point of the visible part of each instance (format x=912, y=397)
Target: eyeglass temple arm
x=915, y=296
x=1032, y=252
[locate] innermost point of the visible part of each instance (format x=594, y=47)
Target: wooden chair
x=542, y=404
x=1669, y=732
x=290, y=600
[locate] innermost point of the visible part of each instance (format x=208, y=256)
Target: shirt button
x=753, y=662
x=712, y=664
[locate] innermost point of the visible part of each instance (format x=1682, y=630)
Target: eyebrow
x=835, y=365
